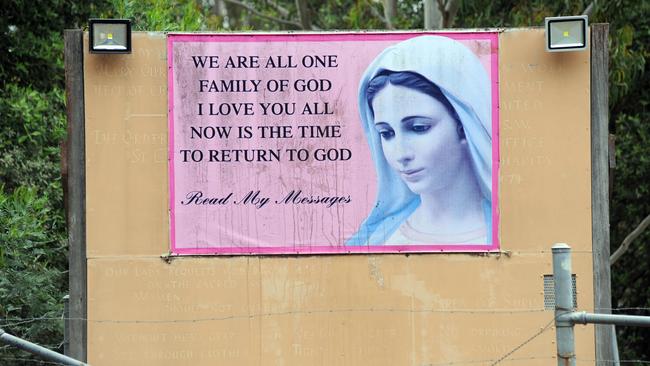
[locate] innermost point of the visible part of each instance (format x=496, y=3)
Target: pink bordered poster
x=333, y=143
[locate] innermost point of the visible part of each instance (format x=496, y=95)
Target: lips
x=412, y=175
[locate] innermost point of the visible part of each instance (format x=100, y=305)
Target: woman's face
x=419, y=138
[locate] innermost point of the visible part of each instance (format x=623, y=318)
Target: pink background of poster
x=284, y=228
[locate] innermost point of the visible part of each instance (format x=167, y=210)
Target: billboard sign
x=333, y=143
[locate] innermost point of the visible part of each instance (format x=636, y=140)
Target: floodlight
x=110, y=35
x=566, y=33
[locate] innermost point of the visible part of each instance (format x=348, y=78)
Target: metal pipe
x=66, y=325
x=38, y=350
x=582, y=317
x=564, y=335
x=617, y=359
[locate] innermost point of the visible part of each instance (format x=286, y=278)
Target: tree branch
x=262, y=15
x=433, y=14
x=628, y=240
x=390, y=12
x=451, y=8
x=378, y=15
x=303, y=14
x=589, y=9
x=279, y=8
x=221, y=10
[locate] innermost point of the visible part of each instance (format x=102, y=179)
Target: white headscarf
x=463, y=80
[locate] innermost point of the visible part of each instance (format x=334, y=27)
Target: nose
x=404, y=151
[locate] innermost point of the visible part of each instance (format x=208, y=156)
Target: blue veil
x=463, y=80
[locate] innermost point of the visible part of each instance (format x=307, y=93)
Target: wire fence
x=14, y=321
x=9, y=322
x=452, y=363
x=49, y=317
x=30, y=360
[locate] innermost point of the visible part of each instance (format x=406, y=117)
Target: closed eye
x=418, y=124
x=420, y=128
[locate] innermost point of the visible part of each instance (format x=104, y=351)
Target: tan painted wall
x=424, y=309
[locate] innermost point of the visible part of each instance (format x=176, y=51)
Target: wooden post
x=600, y=189
x=76, y=199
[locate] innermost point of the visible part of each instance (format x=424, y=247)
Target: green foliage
x=32, y=229
x=31, y=36
x=33, y=264
x=630, y=199
x=349, y=15
x=31, y=128
x=161, y=15
x=513, y=13
x=32, y=268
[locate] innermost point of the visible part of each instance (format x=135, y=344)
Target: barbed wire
x=50, y=346
x=497, y=361
x=452, y=363
x=528, y=340
x=624, y=309
x=41, y=362
x=647, y=362
x=447, y=363
x=11, y=322
x=613, y=361
x=506, y=311
x=469, y=362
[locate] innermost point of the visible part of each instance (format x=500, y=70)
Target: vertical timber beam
x=600, y=188
x=76, y=199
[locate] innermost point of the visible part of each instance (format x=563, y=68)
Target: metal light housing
x=566, y=33
x=110, y=35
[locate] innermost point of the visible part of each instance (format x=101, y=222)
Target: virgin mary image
x=425, y=105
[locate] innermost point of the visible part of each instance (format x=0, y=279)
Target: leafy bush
x=33, y=264
x=33, y=247
x=32, y=127
x=32, y=276
x=161, y=15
